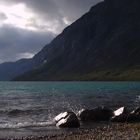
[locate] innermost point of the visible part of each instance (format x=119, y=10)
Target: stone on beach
x=67, y=119
x=120, y=115
x=70, y=119
x=134, y=116
x=137, y=111
x=96, y=114
x=85, y=115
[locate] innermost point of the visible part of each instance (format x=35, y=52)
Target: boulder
x=120, y=115
x=137, y=110
x=134, y=116
x=103, y=113
x=67, y=119
x=86, y=115
x=96, y=114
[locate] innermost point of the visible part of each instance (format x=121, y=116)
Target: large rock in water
x=96, y=114
x=67, y=119
x=85, y=115
x=120, y=115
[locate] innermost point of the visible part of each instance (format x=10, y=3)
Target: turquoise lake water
x=28, y=107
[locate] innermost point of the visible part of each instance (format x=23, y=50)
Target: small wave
x=25, y=125
x=15, y=112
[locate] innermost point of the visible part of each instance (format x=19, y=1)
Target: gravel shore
x=108, y=132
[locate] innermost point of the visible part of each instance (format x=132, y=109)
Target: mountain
x=104, y=44
x=10, y=70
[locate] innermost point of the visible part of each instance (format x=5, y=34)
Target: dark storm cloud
x=15, y=42
x=54, y=11
x=57, y=8
x=73, y=9
x=51, y=16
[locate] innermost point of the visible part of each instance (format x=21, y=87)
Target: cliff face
x=104, y=44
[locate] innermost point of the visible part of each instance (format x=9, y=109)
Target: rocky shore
x=69, y=119
x=109, y=132
x=121, y=125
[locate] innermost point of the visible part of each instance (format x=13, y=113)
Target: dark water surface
x=28, y=108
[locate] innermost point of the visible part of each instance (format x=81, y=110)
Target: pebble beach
x=121, y=131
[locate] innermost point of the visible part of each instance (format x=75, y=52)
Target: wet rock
x=120, y=115
x=86, y=115
x=134, y=116
x=96, y=114
x=67, y=119
x=61, y=116
x=137, y=111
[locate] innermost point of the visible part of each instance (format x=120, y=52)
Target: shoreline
x=108, y=132
x=114, y=131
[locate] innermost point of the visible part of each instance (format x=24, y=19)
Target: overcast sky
x=26, y=26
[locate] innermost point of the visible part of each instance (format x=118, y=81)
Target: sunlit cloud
x=17, y=16
x=20, y=16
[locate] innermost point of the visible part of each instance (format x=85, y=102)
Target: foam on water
x=25, y=124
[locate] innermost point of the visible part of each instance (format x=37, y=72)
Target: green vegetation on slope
x=99, y=75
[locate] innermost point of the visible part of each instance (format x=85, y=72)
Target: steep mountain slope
x=104, y=44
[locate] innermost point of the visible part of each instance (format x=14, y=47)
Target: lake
x=28, y=108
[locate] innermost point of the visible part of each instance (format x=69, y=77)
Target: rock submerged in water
x=67, y=119
x=96, y=114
